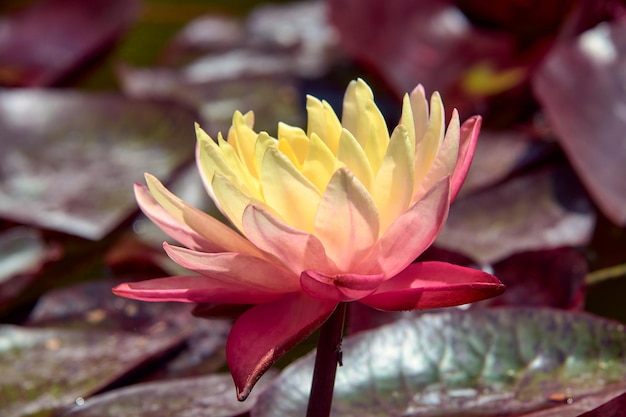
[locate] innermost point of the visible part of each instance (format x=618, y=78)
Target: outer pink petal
x=264, y=333
x=411, y=233
x=295, y=249
x=469, y=137
x=341, y=287
x=235, y=268
x=177, y=230
x=426, y=285
x=194, y=289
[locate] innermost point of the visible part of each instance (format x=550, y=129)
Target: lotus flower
x=334, y=214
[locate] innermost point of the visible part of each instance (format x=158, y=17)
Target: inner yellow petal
x=288, y=192
x=243, y=140
x=427, y=149
x=296, y=138
x=319, y=164
x=352, y=155
x=393, y=186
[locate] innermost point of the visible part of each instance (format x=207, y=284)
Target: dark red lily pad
x=211, y=395
x=46, y=369
x=68, y=160
x=542, y=210
x=500, y=154
x=47, y=41
x=92, y=305
x=24, y=253
x=549, y=278
x=581, y=88
x=487, y=362
x=429, y=42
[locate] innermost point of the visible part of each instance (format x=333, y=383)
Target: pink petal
x=235, y=268
x=295, y=249
x=426, y=285
x=341, y=287
x=170, y=225
x=194, y=289
x=469, y=137
x=265, y=332
x=411, y=233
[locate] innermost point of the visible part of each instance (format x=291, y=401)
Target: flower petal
x=426, y=285
x=235, y=269
x=231, y=200
x=287, y=191
x=347, y=221
x=319, y=164
x=194, y=289
x=323, y=122
x=264, y=333
x=340, y=287
x=353, y=156
x=170, y=223
x=393, y=186
x=411, y=233
x=469, y=138
x=295, y=249
x=444, y=163
x=426, y=149
x=218, y=234
x=296, y=139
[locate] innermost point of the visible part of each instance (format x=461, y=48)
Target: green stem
x=326, y=360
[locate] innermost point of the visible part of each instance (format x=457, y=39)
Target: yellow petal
x=363, y=119
x=287, y=191
x=393, y=186
x=242, y=176
x=333, y=128
x=263, y=142
x=243, y=140
x=212, y=161
x=407, y=120
x=172, y=204
x=346, y=221
x=419, y=108
x=352, y=155
x=296, y=138
x=428, y=147
x=319, y=164
x=445, y=161
x=231, y=200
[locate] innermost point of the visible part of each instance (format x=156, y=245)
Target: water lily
x=334, y=214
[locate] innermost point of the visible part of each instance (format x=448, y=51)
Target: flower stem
x=326, y=360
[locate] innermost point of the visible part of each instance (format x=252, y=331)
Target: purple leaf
x=45, y=42
x=542, y=210
x=68, y=160
x=581, y=87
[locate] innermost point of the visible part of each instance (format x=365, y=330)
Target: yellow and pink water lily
x=334, y=214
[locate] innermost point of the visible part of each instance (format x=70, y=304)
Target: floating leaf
x=485, y=362
x=581, y=87
x=68, y=160
x=50, y=368
x=23, y=254
x=45, y=42
x=212, y=396
x=542, y=210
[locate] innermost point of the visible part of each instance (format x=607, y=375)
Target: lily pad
x=212, y=395
x=24, y=253
x=483, y=362
x=68, y=160
x=581, y=88
x=42, y=44
x=45, y=369
x=545, y=209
